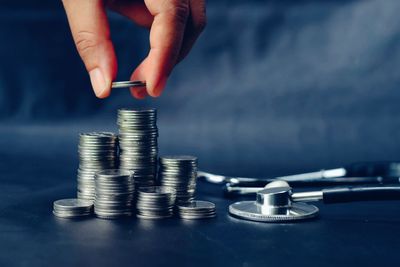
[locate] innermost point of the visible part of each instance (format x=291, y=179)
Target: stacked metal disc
x=72, y=208
x=114, y=193
x=155, y=202
x=196, y=209
x=179, y=173
x=138, y=144
x=97, y=151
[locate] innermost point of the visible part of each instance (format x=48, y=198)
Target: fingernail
x=98, y=82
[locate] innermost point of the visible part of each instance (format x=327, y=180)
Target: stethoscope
x=276, y=202
x=362, y=173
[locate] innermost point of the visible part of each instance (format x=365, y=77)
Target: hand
x=174, y=27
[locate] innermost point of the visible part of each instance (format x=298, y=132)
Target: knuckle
x=85, y=43
x=178, y=9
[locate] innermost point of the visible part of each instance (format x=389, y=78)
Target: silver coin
x=70, y=215
x=179, y=173
x=72, y=203
x=197, y=217
x=97, y=151
x=111, y=216
x=196, y=209
x=72, y=208
x=197, y=205
x=155, y=202
x=178, y=158
x=138, y=143
x=153, y=217
x=124, y=84
x=114, y=193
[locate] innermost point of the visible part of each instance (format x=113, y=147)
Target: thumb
x=91, y=33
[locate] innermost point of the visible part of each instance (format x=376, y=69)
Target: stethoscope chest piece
x=273, y=204
x=249, y=210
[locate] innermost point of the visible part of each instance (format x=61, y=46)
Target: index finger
x=166, y=35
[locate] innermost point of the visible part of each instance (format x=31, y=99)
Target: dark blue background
x=270, y=88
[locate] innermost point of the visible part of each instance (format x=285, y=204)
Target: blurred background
x=270, y=88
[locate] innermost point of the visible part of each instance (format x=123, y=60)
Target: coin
x=72, y=208
x=97, y=151
x=138, y=145
x=114, y=193
x=155, y=202
x=124, y=84
x=180, y=174
x=196, y=209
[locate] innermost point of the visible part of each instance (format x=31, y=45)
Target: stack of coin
x=196, y=209
x=97, y=151
x=155, y=202
x=138, y=144
x=72, y=208
x=114, y=193
x=179, y=173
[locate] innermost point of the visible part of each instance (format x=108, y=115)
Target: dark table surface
x=38, y=171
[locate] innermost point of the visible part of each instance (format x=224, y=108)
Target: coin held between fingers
x=128, y=84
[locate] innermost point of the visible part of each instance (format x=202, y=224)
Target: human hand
x=174, y=27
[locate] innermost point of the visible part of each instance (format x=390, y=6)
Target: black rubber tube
x=339, y=195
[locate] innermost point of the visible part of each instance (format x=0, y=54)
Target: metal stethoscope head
x=277, y=203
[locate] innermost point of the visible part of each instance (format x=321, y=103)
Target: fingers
x=137, y=12
x=140, y=93
x=166, y=35
x=91, y=33
x=194, y=27
x=134, y=10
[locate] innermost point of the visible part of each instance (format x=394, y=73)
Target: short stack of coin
x=179, y=173
x=196, y=209
x=138, y=144
x=97, y=151
x=155, y=202
x=114, y=193
x=72, y=208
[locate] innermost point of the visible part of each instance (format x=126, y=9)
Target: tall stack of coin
x=97, y=151
x=138, y=144
x=115, y=190
x=155, y=202
x=179, y=173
